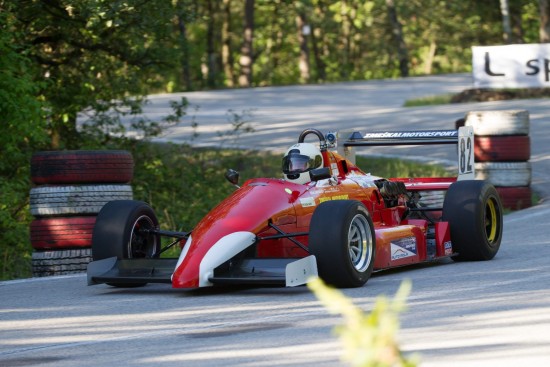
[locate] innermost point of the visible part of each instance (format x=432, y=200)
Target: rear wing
x=463, y=137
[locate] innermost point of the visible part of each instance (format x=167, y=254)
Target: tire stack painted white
x=70, y=189
x=432, y=199
x=502, y=152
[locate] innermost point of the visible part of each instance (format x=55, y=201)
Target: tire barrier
x=62, y=232
x=70, y=189
x=504, y=148
x=81, y=167
x=432, y=198
x=60, y=262
x=505, y=174
x=497, y=123
x=502, y=151
x=83, y=199
x=515, y=197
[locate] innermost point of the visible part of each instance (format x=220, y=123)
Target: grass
x=392, y=167
x=429, y=101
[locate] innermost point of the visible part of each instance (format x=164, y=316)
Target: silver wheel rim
x=142, y=245
x=360, y=243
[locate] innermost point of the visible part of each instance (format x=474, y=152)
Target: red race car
x=325, y=218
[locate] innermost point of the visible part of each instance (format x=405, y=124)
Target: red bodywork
x=261, y=202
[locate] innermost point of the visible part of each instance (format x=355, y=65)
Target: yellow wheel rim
x=491, y=220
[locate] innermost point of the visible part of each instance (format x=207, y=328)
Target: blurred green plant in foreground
x=369, y=339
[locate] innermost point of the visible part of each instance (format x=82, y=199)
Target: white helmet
x=299, y=160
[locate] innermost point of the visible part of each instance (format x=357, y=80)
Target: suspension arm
x=290, y=236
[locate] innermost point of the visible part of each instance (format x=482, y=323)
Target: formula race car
x=325, y=218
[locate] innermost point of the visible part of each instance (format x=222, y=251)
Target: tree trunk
x=544, y=32
x=247, y=56
x=227, y=56
x=317, y=44
x=402, y=53
x=184, y=45
x=319, y=63
x=303, y=32
x=506, y=27
x=516, y=21
x=346, y=29
x=430, y=59
x=210, y=50
x=273, y=47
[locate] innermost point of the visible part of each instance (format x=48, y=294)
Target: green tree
x=91, y=53
x=23, y=131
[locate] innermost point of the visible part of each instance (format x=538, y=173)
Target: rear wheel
x=342, y=239
x=122, y=231
x=474, y=211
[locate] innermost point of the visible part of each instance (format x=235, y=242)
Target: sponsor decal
x=307, y=202
x=448, y=248
x=337, y=197
x=319, y=190
x=412, y=134
x=334, y=168
x=364, y=182
x=403, y=248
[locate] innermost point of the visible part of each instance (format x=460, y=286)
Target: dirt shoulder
x=486, y=95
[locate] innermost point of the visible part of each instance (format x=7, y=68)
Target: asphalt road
x=494, y=313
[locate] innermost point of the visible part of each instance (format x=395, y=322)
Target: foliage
x=110, y=49
x=369, y=340
x=352, y=39
x=391, y=167
x=92, y=54
x=22, y=132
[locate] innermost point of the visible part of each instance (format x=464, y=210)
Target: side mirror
x=319, y=174
x=232, y=176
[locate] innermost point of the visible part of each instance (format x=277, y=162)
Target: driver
x=299, y=160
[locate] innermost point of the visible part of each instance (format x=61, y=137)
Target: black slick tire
x=119, y=232
x=343, y=240
x=474, y=211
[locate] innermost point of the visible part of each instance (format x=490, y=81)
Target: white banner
x=511, y=66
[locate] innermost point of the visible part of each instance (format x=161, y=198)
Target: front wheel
x=474, y=211
x=122, y=231
x=343, y=240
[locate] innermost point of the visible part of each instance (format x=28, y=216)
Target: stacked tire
x=502, y=151
x=70, y=188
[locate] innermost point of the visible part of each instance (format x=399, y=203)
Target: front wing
x=127, y=272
